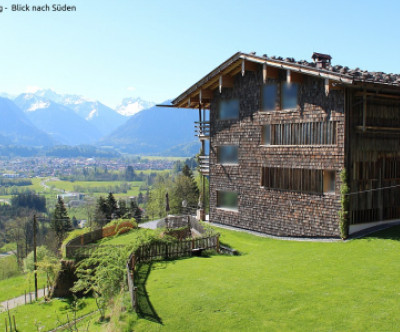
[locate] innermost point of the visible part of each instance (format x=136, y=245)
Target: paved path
x=150, y=224
x=275, y=237
x=6, y=254
x=16, y=301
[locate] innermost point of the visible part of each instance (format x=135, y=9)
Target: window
x=266, y=134
x=227, y=200
x=313, y=181
x=268, y=99
x=329, y=182
x=228, y=154
x=228, y=109
x=289, y=95
x=304, y=133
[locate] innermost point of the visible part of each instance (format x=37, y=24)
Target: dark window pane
x=268, y=97
x=227, y=200
x=289, y=95
x=228, y=154
x=228, y=109
x=266, y=135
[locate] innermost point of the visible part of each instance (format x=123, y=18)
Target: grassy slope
x=45, y=315
x=280, y=285
x=16, y=286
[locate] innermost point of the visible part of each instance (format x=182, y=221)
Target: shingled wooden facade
x=280, y=132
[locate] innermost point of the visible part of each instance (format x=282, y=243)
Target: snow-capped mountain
x=16, y=128
x=131, y=106
x=104, y=118
x=59, y=121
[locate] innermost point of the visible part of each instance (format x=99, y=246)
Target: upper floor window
x=268, y=97
x=301, y=133
x=227, y=200
x=228, y=109
x=228, y=154
x=289, y=94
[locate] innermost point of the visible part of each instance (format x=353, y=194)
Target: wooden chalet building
x=277, y=133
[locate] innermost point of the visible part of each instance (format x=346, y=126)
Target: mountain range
x=46, y=118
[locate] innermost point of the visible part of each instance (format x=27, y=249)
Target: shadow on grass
x=145, y=308
x=392, y=233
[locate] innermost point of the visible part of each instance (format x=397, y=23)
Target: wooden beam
x=225, y=82
x=288, y=76
x=327, y=87
x=265, y=73
x=364, y=111
x=379, y=95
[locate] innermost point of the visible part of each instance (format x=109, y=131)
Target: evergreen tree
x=101, y=212
x=60, y=222
x=135, y=211
x=130, y=174
x=123, y=210
x=112, y=207
x=140, y=198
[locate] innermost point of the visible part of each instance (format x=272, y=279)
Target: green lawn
x=278, y=286
x=42, y=316
x=16, y=286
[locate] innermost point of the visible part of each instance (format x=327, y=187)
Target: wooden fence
x=160, y=250
x=82, y=245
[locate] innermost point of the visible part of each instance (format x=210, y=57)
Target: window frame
x=227, y=208
x=231, y=100
x=284, y=84
x=221, y=147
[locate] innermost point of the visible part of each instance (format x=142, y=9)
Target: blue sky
x=155, y=49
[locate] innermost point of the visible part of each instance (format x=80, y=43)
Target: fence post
x=218, y=243
x=15, y=325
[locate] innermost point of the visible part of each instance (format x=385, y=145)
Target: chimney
x=321, y=60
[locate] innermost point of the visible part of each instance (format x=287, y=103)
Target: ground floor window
x=315, y=181
x=227, y=200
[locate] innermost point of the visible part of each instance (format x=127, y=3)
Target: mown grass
x=18, y=285
x=279, y=286
x=44, y=316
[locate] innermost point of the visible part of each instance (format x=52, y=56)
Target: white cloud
x=131, y=88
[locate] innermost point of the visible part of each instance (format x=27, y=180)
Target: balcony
x=202, y=129
x=204, y=165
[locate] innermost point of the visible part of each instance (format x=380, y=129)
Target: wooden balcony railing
x=202, y=129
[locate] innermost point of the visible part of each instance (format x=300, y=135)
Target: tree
x=101, y=212
x=60, y=222
x=134, y=211
x=29, y=200
x=112, y=207
x=106, y=209
x=184, y=188
x=155, y=206
x=140, y=199
x=130, y=174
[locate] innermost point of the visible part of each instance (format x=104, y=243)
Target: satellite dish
x=184, y=203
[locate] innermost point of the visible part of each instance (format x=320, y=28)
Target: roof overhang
x=200, y=93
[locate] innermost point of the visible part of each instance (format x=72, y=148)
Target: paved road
x=6, y=254
x=12, y=303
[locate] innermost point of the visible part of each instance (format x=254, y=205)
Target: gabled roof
x=222, y=76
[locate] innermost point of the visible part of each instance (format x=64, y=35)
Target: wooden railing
x=83, y=245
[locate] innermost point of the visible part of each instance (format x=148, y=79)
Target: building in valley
x=277, y=133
